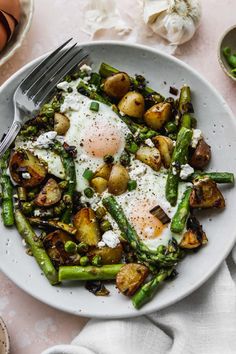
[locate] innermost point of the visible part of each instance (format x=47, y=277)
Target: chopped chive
x=94, y=106
x=88, y=174
x=89, y=192
x=132, y=184
x=132, y=147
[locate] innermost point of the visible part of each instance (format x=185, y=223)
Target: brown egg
x=12, y=7
x=3, y=36
x=8, y=23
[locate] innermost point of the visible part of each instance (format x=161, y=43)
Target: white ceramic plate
x=216, y=121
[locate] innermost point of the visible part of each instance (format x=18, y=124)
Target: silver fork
x=39, y=85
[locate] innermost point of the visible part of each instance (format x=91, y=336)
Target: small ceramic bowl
x=27, y=8
x=4, y=338
x=227, y=40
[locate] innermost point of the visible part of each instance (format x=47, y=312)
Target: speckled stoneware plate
x=219, y=127
x=27, y=9
x=4, y=338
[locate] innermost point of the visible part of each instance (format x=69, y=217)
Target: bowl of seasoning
x=227, y=53
x=4, y=338
x=15, y=21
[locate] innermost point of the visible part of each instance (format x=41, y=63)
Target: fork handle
x=9, y=138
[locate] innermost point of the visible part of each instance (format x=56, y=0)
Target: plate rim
x=218, y=261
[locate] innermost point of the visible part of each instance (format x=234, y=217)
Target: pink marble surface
x=34, y=326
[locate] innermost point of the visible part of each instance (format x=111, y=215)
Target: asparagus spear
x=36, y=246
x=218, y=177
x=106, y=272
x=179, y=158
x=184, y=99
x=144, y=254
x=107, y=70
x=186, y=121
x=7, y=192
x=54, y=224
x=148, y=290
x=69, y=166
x=179, y=219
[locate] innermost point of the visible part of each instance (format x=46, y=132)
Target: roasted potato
x=201, y=155
x=191, y=240
x=26, y=169
x=99, y=184
x=87, y=227
x=132, y=104
x=150, y=156
x=118, y=180
x=61, y=123
x=49, y=195
x=205, y=194
x=130, y=278
x=104, y=171
x=54, y=244
x=109, y=255
x=165, y=146
x=117, y=85
x=156, y=116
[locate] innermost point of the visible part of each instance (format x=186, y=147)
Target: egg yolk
x=146, y=224
x=102, y=139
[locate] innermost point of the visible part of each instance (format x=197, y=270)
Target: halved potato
x=132, y=104
x=61, y=123
x=26, y=169
x=117, y=85
x=54, y=244
x=99, y=184
x=49, y=195
x=87, y=227
x=150, y=156
x=104, y=171
x=118, y=180
x=165, y=146
x=205, y=194
x=130, y=278
x=201, y=155
x=156, y=116
x=109, y=255
x=192, y=240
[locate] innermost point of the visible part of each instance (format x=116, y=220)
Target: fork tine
x=44, y=94
x=45, y=77
x=40, y=69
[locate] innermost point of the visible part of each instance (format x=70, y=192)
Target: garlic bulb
x=174, y=20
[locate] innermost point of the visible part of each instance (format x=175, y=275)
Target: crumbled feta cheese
x=186, y=171
x=149, y=142
x=197, y=135
x=64, y=85
x=37, y=212
x=101, y=244
x=85, y=68
x=26, y=175
x=174, y=171
x=72, y=102
x=122, y=113
x=109, y=238
x=45, y=139
x=86, y=79
x=23, y=242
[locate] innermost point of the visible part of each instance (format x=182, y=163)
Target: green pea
x=70, y=247
x=97, y=261
x=82, y=247
x=84, y=261
x=171, y=127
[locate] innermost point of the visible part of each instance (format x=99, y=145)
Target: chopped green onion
x=89, y=192
x=132, y=147
x=88, y=174
x=94, y=106
x=132, y=184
